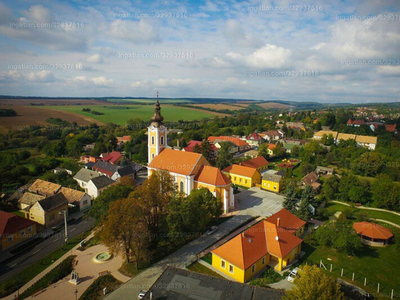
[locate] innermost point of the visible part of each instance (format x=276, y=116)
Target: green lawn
x=119, y=114
x=378, y=265
x=199, y=268
x=334, y=207
x=149, y=101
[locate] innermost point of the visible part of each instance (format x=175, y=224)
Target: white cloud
x=95, y=58
x=87, y=81
x=132, y=31
x=41, y=76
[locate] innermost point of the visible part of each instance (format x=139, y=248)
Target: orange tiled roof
x=287, y=221
x=238, y=142
x=372, y=230
x=279, y=241
x=245, y=248
x=255, y=162
x=180, y=162
x=240, y=170
x=213, y=176
x=271, y=146
x=43, y=187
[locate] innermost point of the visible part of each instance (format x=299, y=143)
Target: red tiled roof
x=10, y=223
x=254, y=136
x=112, y=157
x=192, y=144
x=256, y=162
x=390, y=128
x=238, y=142
x=310, y=178
x=372, y=230
x=213, y=176
x=287, y=220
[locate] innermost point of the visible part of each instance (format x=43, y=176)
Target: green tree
x=73, y=147
x=307, y=199
x=313, y=284
x=330, y=187
x=291, y=198
x=224, y=156
x=263, y=150
x=385, y=192
x=369, y=164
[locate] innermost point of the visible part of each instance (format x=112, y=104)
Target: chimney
x=278, y=222
x=177, y=143
x=277, y=238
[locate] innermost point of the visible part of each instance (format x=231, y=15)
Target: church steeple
x=157, y=133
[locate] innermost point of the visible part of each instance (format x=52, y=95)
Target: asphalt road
x=17, y=263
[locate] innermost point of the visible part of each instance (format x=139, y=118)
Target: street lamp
x=76, y=294
x=64, y=212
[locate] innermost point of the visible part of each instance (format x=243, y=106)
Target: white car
x=142, y=294
x=212, y=230
x=293, y=274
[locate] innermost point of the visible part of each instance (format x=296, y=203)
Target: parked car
x=142, y=294
x=293, y=274
x=212, y=230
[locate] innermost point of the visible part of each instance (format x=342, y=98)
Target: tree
x=369, y=164
x=263, y=150
x=313, y=284
x=197, y=148
x=330, y=187
x=307, y=199
x=224, y=156
x=124, y=230
x=385, y=192
x=207, y=151
x=291, y=198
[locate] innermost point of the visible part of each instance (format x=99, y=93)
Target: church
x=189, y=170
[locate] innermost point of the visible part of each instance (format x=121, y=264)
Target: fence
x=375, y=289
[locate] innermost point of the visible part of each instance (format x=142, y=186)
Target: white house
x=96, y=185
x=84, y=176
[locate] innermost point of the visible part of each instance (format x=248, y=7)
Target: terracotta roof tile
x=238, y=142
x=372, y=230
x=279, y=241
x=287, y=220
x=255, y=162
x=10, y=223
x=213, y=176
x=240, y=170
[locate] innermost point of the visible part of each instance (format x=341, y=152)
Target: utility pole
x=64, y=212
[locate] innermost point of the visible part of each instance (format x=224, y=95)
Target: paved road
x=254, y=202
x=17, y=263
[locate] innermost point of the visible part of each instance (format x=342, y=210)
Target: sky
x=322, y=51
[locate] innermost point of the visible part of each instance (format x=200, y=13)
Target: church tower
x=157, y=133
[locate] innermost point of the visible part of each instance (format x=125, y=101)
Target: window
x=268, y=185
x=245, y=181
x=253, y=268
x=162, y=140
x=30, y=228
x=23, y=232
x=240, y=179
x=85, y=202
x=152, y=156
x=10, y=238
x=181, y=186
x=230, y=269
x=52, y=217
x=152, y=140
x=274, y=187
x=263, y=261
x=264, y=184
x=222, y=264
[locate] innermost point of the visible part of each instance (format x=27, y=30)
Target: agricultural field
x=119, y=114
x=272, y=105
x=221, y=106
x=37, y=115
x=149, y=101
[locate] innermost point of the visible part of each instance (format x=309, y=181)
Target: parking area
x=257, y=202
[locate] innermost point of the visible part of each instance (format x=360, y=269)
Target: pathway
x=368, y=208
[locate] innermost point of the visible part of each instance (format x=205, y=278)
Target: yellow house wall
x=38, y=215
x=273, y=186
x=241, y=180
x=18, y=237
x=259, y=267
x=238, y=274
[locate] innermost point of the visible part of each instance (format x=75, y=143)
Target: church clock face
x=162, y=129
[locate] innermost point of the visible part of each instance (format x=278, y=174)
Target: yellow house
x=264, y=244
x=189, y=170
x=259, y=163
x=272, y=182
x=47, y=211
x=244, y=176
x=14, y=230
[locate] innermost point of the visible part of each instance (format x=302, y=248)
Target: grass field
x=334, y=207
x=119, y=114
x=149, y=101
x=221, y=106
x=199, y=268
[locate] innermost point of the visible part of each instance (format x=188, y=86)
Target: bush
x=59, y=272
x=95, y=290
x=267, y=277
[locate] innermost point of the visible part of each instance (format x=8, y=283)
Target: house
x=272, y=182
x=244, y=176
x=232, y=147
x=344, y=137
x=311, y=179
x=266, y=243
x=324, y=170
x=271, y=149
x=60, y=170
x=355, y=123
x=192, y=144
x=254, y=139
x=367, y=141
x=77, y=198
x=97, y=185
x=251, y=153
x=113, y=157
x=84, y=159
x=272, y=135
x=14, y=230
x=121, y=140
x=47, y=211
x=296, y=125
x=28, y=199
x=89, y=147
x=129, y=170
x=318, y=135
x=84, y=176
x=259, y=163
x=242, y=145
x=44, y=188
x=188, y=170
x=391, y=128
x=288, y=221
x=373, y=234
x=191, y=171
x=105, y=168
x=175, y=283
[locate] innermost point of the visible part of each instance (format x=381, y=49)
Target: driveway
x=257, y=202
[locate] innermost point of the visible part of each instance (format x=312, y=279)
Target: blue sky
x=348, y=51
